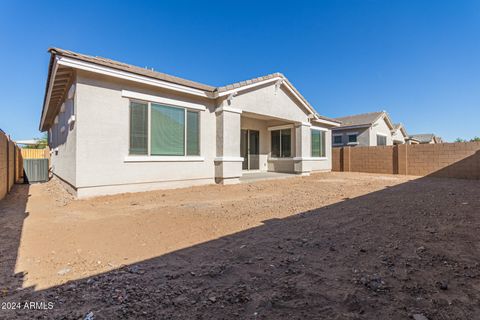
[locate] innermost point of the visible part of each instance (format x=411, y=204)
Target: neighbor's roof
x=425, y=137
x=364, y=119
x=172, y=79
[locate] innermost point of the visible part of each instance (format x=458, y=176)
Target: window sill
x=352, y=143
x=163, y=159
x=280, y=159
x=310, y=158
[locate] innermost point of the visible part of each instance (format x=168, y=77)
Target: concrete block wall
x=11, y=166
x=450, y=160
x=3, y=165
x=372, y=159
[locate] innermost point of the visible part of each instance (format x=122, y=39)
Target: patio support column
x=228, y=163
x=302, y=149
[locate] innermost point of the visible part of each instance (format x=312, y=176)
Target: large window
x=171, y=131
x=381, y=140
x=281, y=145
x=318, y=143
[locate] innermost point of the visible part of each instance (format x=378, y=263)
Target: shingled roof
x=176, y=80
x=131, y=68
x=364, y=119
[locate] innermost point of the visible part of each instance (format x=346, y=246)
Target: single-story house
x=115, y=127
x=367, y=129
x=425, y=138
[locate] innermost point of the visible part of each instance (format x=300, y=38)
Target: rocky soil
x=328, y=246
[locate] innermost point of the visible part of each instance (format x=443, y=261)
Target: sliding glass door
x=250, y=149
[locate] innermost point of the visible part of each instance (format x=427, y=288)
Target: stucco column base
x=228, y=171
x=227, y=181
x=302, y=167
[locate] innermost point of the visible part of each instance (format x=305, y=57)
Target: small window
x=193, y=133
x=281, y=143
x=337, y=140
x=138, y=128
x=352, y=138
x=318, y=143
x=381, y=140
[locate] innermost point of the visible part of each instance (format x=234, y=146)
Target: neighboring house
x=425, y=138
x=115, y=128
x=368, y=129
x=399, y=134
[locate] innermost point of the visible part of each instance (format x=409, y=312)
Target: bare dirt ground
x=328, y=246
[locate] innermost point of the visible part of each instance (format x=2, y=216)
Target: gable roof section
x=364, y=120
x=399, y=126
x=243, y=85
x=66, y=58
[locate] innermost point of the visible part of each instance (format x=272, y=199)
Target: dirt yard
x=328, y=246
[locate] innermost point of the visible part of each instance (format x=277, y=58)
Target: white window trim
x=280, y=128
x=381, y=134
x=134, y=158
x=164, y=158
x=320, y=158
x=353, y=143
x=166, y=101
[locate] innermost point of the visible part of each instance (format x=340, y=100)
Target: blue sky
x=418, y=60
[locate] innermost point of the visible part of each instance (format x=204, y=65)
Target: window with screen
x=381, y=140
x=281, y=143
x=318, y=143
x=172, y=131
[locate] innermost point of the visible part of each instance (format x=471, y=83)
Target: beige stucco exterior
x=92, y=154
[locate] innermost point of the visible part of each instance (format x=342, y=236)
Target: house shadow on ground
x=408, y=249
x=12, y=215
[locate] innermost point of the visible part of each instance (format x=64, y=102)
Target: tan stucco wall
x=267, y=100
x=64, y=144
x=92, y=155
x=103, y=141
x=380, y=127
x=397, y=135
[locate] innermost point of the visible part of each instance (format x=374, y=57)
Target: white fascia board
x=353, y=127
x=49, y=93
x=162, y=100
x=318, y=128
x=229, y=109
x=82, y=65
x=331, y=123
x=287, y=85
